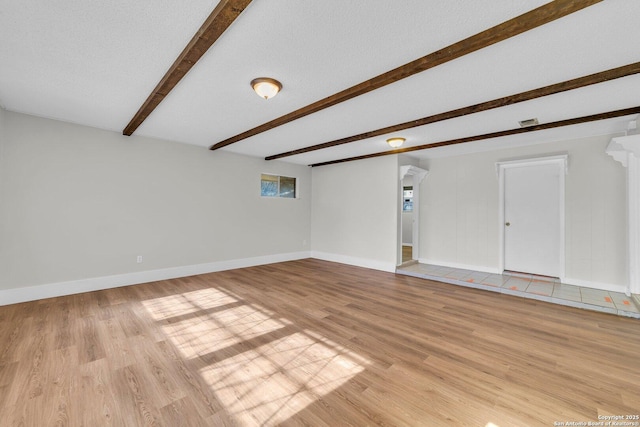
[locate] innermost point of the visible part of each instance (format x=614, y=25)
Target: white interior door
x=532, y=215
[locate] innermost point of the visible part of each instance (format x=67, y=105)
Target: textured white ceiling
x=94, y=63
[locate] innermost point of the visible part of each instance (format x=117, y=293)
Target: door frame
x=562, y=162
x=418, y=175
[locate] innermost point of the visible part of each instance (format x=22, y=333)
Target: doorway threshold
x=407, y=263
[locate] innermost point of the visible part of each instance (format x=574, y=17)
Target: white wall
x=2, y=129
x=459, y=218
x=407, y=228
x=78, y=203
x=354, y=212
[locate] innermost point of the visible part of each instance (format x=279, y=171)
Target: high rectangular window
x=277, y=186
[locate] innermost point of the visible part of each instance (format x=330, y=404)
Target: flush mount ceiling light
x=266, y=87
x=395, y=142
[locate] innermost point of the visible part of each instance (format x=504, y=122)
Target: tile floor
x=528, y=286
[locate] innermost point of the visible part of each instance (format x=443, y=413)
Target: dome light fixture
x=266, y=87
x=395, y=142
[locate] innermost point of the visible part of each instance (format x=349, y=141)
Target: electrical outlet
x=139, y=259
x=304, y=242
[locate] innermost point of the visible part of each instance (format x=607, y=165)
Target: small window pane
x=277, y=186
x=287, y=187
x=269, y=186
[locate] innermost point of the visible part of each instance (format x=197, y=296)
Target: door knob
x=507, y=224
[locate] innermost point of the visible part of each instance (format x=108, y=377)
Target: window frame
x=279, y=194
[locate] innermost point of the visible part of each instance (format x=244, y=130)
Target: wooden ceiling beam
x=552, y=125
x=216, y=24
x=591, y=79
x=518, y=25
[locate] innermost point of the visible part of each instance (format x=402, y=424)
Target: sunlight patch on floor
x=274, y=381
x=261, y=368
x=189, y=302
x=200, y=337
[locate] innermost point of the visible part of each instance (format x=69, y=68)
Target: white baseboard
x=50, y=290
x=595, y=285
x=481, y=268
x=389, y=267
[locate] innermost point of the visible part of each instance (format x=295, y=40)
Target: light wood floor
x=407, y=253
x=311, y=343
